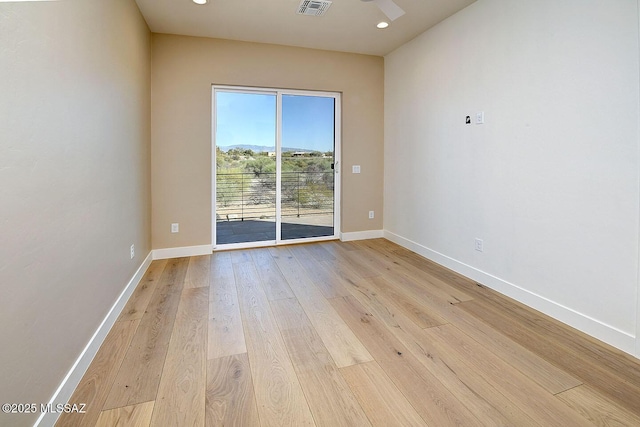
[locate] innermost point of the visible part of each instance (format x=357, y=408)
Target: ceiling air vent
x=313, y=7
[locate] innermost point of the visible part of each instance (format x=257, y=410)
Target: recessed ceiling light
x=380, y=25
x=200, y=1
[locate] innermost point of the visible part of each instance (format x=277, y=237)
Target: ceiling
x=348, y=25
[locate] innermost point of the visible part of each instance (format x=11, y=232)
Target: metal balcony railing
x=244, y=196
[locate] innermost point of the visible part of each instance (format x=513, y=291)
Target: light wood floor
x=344, y=334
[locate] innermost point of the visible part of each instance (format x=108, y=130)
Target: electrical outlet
x=371, y=214
x=480, y=118
x=175, y=227
x=133, y=251
x=479, y=245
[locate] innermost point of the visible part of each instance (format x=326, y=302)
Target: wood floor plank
x=573, y=340
x=230, y=399
x=413, y=270
x=398, y=285
x=181, y=394
x=402, y=279
x=319, y=252
x=94, y=387
x=129, y=416
x=589, y=371
x=279, y=397
x=466, y=354
x=330, y=399
x=419, y=314
x=139, y=375
x=601, y=411
x=198, y=272
x=343, y=271
x=467, y=386
x=379, y=397
x=336, y=247
x=225, y=335
x=240, y=256
x=395, y=265
x=139, y=300
x=547, y=375
x=338, y=250
x=221, y=266
x=273, y=282
x=340, y=341
x=342, y=253
x=405, y=256
x=379, y=262
x=330, y=284
x=433, y=402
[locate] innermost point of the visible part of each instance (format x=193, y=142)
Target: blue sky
x=250, y=119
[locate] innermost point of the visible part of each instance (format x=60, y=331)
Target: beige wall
x=75, y=187
x=184, y=68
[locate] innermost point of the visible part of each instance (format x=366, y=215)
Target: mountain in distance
x=260, y=148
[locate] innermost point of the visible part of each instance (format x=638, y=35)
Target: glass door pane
x=308, y=156
x=245, y=142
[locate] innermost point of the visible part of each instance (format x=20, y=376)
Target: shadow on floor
x=258, y=231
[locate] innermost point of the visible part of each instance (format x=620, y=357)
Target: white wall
x=74, y=181
x=550, y=181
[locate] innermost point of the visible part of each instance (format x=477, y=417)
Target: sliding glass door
x=245, y=138
x=307, y=159
x=276, y=157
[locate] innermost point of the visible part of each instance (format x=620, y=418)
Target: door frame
x=337, y=152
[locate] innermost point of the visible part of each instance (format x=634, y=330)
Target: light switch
x=480, y=118
x=356, y=168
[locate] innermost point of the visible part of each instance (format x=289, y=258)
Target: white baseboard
x=607, y=333
x=183, y=251
x=361, y=235
x=73, y=377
